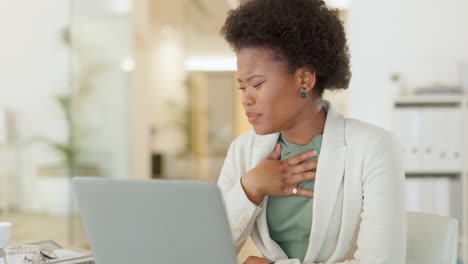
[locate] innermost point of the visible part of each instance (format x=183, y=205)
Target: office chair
x=431, y=239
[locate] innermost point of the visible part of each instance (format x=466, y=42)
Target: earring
x=303, y=93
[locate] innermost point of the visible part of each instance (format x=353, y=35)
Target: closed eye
x=258, y=85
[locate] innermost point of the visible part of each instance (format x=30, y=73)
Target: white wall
x=34, y=67
x=102, y=39
x=423, y=40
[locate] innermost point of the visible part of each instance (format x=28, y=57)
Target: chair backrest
x=431, y=239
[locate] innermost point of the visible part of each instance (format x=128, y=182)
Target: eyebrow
x=250, y=78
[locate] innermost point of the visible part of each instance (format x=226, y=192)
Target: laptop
x=154, y=221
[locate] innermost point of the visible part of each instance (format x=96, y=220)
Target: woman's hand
x=279, y=177
x=256, y=260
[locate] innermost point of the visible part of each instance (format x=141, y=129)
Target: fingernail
x=314, y=153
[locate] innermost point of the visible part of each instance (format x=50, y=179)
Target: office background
x=145, y=89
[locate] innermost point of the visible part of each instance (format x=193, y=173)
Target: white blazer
x=359, y=207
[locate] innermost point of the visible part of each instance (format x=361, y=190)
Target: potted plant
x=55, y=179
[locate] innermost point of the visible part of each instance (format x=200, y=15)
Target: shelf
x=418, y=109
x=434, y=173
x=431, y=100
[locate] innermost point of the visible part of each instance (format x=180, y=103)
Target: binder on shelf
x=413, y=196
x=419, y=195
x=456, y=199
x=407, y=124
x=454, y=140
x=441, y=188
x=430, y=139
x=427, y=195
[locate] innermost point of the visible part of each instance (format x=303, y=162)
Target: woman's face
x=270, y=93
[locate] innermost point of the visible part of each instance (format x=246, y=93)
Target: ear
x=307, y=78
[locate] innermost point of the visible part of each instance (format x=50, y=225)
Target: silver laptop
x=154, y=221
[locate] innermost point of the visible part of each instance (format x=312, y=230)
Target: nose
x=247, y=99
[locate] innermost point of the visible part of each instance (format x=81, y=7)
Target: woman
x=308, y=185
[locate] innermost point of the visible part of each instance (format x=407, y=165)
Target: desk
x=67, y=256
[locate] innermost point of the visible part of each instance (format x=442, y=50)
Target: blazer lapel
x=329, y=177
x=327, y=184
x=263, y=147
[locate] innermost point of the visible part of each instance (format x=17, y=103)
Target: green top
x=290, y=217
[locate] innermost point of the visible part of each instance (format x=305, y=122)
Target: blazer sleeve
x=241, y=212
x=382, y=231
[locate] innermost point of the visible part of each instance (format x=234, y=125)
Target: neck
x=309, y=124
